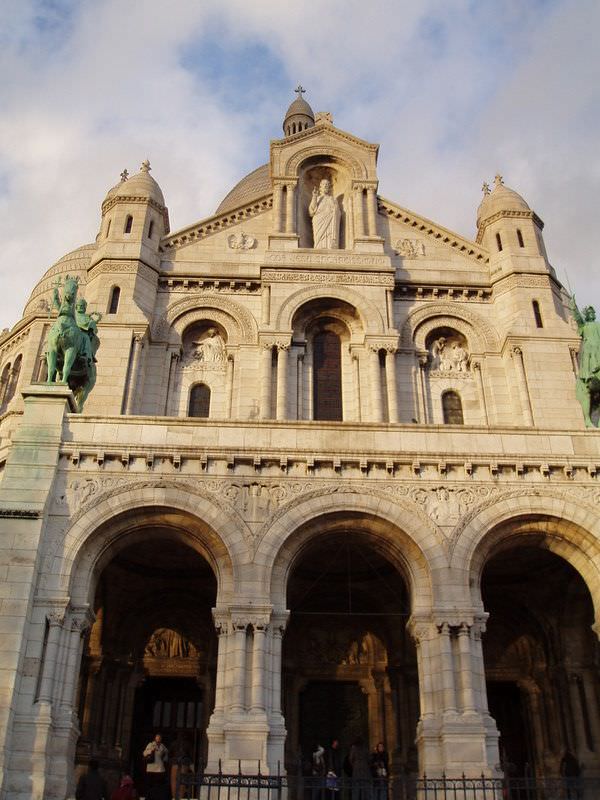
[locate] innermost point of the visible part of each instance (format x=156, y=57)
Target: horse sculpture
x=72, y=342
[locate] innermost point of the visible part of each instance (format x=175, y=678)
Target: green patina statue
x=72, y=342
x=588, y=380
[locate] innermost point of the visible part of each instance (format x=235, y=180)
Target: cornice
x=215, y=224
x=438, y=233
x=318, y=129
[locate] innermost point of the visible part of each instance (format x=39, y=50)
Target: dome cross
x=300, y=90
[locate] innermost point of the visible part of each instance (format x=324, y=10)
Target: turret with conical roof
x=510, y=230
x=299, y=116
x=134, y=218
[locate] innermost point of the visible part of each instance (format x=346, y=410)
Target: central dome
x=256, y=184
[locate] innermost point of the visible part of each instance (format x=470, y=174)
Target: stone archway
x=149, y=663
x=535, y=575
x=349, y=665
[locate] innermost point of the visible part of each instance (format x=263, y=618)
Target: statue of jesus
x=325, y=213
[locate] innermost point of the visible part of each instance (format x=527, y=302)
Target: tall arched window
x=199, y=405
x=150, y=228
x=520, y=238
x=452, y=408
x=539, y=323
x=113, y=303
x=4, y=386
x=327, y=380
x=128, y=224
x=499, y=241
x=108, y=228
x=12, y=379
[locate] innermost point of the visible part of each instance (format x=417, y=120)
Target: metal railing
x=223, y=786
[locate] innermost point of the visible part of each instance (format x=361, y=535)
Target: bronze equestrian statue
x=72, y=342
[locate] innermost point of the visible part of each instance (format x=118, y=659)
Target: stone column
x=222, y=629
x=482, y=399
x=290, y=208
x=277, y=207
x=392, y=385
x=453, y=734
x=300, y=387
x=266, y=305
x=172, y=361
x=282, y=380
x=258, y=701
x=372, y=211
x=422, y=388
x=229, y=385
x=447, y=667
x=276, y=666
x=79, y=622
x=265, y=380
x=356, y=376
x=359, y=224
x=466, y=668
x=238, y=674
x=517, y=355
x=137, y=346
x=55, y=623
x=375, y=375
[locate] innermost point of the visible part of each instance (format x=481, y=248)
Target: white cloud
x=452, y=91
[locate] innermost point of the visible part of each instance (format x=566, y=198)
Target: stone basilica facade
x=333, y=480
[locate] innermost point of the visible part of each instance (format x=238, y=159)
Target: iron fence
x=222, y=786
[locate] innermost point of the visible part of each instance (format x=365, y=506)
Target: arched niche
x=323, y=330
x=310, y=174
x=203, y=362
x=451, y=390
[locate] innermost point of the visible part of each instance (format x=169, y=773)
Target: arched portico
x=98, y=578
x=535, y=572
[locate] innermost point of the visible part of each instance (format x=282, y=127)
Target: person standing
x=156, y=756
x=380, y=771
x=91, y=785
x=333, y=762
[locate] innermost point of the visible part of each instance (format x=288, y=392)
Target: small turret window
x=539, y=322
x=520, y=238
x=108, y=228
x=199, y=401
x=499, y=241
x=115, y=295
x=128, y=224
x=452, y=409
x=150, y=228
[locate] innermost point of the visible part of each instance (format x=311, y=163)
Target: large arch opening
x=541, y=661
x=149, y=661
x=349, y=664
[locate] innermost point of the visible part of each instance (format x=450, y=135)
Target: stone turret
x=510, y=230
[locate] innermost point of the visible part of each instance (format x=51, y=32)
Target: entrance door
x=505, y=701
x=332, y=710
x=174, y=708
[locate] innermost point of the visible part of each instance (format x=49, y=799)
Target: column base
x=455, y=744
x=245, y=742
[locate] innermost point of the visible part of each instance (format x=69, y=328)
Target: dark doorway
x=327, y=376
x=174, y=708
x=505, y=701
x=332, y=710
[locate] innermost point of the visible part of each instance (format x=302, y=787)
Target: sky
x=452, y=90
